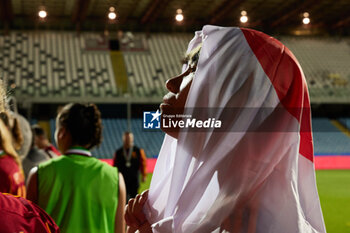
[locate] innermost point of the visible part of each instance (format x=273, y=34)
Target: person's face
x=62, y=137
x=128, y=140
x=174, y=102
x=40, y=141
x=57, y=134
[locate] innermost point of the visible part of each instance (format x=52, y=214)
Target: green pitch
x=334, y=192
x=145, y=185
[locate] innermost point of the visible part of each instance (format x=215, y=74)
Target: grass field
x=146, y=184
x=334, y=191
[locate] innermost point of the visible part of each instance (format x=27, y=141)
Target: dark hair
x=38, y=131
x=83, y=121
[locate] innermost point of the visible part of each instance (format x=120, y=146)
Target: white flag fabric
x=255, y=174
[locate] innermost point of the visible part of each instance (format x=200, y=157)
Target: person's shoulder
x=138, y=149
x=9, y=203
x=4, y=159
x=8, y=164
x=37, y=155
x=103, y=165
x=119, y=150
x=20, y=212
x=53, y=162
x=7, y=159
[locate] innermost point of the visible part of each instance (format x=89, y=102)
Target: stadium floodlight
x=306, y=20
x=42, y=14
x=244, y=19
x=179, y=16
x=112, y=15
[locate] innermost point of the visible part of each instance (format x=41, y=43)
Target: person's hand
x=134, y=216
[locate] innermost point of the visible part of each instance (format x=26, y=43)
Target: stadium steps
x=345, y=122
x=120, y=73
x=341, y=127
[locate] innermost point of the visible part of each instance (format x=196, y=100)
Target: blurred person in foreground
x=81, y=193
x=20, y=215
x=42, y=142
x=131, y=161
x=16, y=213
x=255, y=172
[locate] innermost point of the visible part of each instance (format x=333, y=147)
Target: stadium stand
x=52, y=64
x=328, y=139
x=149, y=70
x=345, y=122
x=62, y=64
x=64, y=67
x=326, y=66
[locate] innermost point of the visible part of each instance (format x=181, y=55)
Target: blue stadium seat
x=328, y=139
x=345, y=122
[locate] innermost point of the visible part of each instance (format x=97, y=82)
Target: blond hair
x=2, y=96
x=192, y=57
x=7, y=135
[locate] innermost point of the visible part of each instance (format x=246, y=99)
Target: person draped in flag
x=256, y=172
x=81, y=193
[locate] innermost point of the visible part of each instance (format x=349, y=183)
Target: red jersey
x=19, y=215
x=11, y=177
